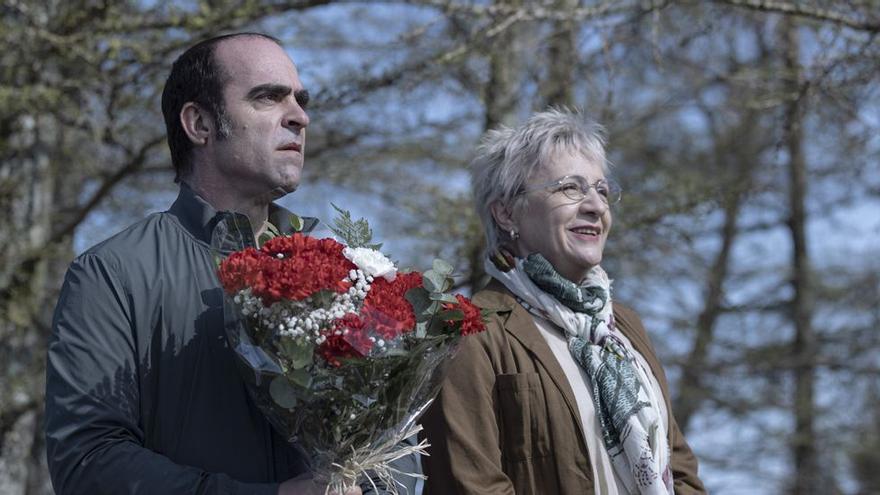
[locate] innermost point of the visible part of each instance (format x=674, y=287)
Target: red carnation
x=473, y=321
x=239, y=270
x=288, y=267
x=386, y=310
x=355, y=343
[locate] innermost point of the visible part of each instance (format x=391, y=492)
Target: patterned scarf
x=627, y=408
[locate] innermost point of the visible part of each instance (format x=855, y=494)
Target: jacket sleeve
x=683, y=464
x=462, y=428
x=94, y=439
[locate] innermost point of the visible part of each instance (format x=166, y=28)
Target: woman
x=563, y=394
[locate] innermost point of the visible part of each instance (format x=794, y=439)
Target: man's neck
x=227, y=199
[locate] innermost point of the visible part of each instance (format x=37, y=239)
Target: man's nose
x=296, y=116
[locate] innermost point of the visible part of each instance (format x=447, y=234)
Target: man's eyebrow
x=270, y=89
x=302, y=97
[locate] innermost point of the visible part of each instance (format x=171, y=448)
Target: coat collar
x=201, y=219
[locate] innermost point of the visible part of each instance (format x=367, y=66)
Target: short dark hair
x=196, y=77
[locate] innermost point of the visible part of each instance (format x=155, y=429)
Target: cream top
x=606, y=480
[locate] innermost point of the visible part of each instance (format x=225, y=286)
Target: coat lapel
x=521, y=326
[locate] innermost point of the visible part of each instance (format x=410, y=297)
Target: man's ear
x=197, y=123
x=502, y=215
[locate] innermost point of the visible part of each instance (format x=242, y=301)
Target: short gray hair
x=507, y=157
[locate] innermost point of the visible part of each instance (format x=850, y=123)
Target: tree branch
x=806, y=11
x=106, y=187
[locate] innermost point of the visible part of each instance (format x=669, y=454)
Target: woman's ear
x=197, y=123
x=502, y=215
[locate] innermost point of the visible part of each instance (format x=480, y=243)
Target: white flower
x=371, y=262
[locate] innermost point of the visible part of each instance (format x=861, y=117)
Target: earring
x=514, y=235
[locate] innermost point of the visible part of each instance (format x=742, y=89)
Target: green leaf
x=264, y=238
x=421, y=329
x=271, y=228
x=435, y=281
x=300, y=354
x=300, y=377
x=283, y=392
x=296, y=222
x=442, y=267
x=423, y=307
x=443, y=297
x=270, y=233
x=419, y=298
x=354, y=233
x=451, y=314
x=436, y=327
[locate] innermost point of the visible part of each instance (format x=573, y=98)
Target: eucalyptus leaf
x=421, y=329
x=442, y=267
x=419, y=298
x=264, y=238
x=271, y=228
x=300, y=377
x=283, y=392
x=301, y=354
x=296, y=222
x=434, y=281
x=443, y=297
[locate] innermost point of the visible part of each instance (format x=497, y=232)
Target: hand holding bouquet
x=342, y=351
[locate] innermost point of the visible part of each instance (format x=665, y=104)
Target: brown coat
x=506, y=420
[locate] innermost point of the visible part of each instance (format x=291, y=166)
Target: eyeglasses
x=576, y=188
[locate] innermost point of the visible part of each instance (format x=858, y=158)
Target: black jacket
x=143, y=395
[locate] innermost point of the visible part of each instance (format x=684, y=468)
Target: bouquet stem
x=375, y=463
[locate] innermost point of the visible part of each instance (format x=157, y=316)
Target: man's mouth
x=291, y=147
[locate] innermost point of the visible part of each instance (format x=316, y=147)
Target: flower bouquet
x=343, y=352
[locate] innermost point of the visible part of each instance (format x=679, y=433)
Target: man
x=142, y=394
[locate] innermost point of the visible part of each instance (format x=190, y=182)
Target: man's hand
x=306, y=486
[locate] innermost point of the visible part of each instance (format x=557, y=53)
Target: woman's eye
x=571, y=186
x=602, y=189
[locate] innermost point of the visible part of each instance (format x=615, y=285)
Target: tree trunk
x=25, y=310
x=691, y=388
x=803, y=347
x=561, y=60
x=501, y=97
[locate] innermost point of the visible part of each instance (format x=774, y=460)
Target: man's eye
x=302, y=98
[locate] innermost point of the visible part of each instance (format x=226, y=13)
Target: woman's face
x=570, y=234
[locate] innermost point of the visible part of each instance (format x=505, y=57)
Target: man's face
x=262, y=156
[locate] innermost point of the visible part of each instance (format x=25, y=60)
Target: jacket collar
x=207, y=224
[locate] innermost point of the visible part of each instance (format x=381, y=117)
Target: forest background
x=746, y=135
